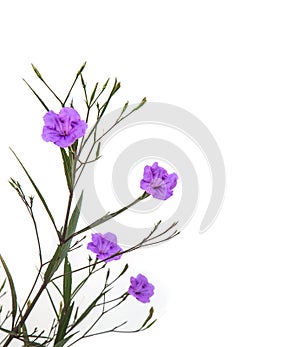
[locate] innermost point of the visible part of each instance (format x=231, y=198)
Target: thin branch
x=46, y=84
x=108, y=216
x=74, y=82
x=26, y=314
x=97, y=141
x=84, y=140
x=38, y=193
x=145, y=242
x=29, y=206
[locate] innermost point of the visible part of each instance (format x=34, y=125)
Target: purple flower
x=140, y=288
x=64, y=128
x=158, y=182
x=105, y=246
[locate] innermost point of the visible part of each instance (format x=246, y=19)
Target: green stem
x=67, y=217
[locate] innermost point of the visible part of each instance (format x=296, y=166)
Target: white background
x=235, y=64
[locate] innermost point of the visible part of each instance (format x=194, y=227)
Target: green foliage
x=68, y=315
x=68, y=167
x=14, y=302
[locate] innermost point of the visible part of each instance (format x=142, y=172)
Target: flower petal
x=105, y=246
x=63, y=129
x=157, y=182
x=50, y=135
x=140, y=288
x=110, y=237
x=148, y=176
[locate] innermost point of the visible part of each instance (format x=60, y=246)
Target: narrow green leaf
x=67, y=283
x=36, y=94
x=15, y=184
x=68, y=166
x=98, y=150
x=83, y=82
x=125, y=107
x=107, y=275
x=63, y=249
x=74, y=218
x=93, y=93
x=123, y=110
x=81, y=69
x=59, y=255
x=76, y=313
x=105, y=84
x=44, y=82
x=53, y=264
x=151, y=311
x=37, y=190
x=117, y=86
x=37, y=72
x=63, y=324
x=2, y=286
x=150, y=325
x=74, y=147
x=98, y=96
x=12, y=290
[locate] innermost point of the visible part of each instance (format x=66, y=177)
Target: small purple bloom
x=140, y=288
x=105, y=246
x=64, y=128
x=158, y=182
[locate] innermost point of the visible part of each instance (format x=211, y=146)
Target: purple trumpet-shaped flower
x=158, y=182
x=64, y=128
x=140, y=288
x=105, y=246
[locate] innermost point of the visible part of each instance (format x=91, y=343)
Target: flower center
x=156, y=183
x=64, y=126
